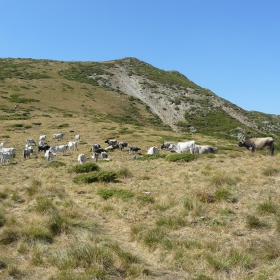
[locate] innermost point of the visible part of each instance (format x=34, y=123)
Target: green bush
x=85, y=168
x=181, y=157
x=102, y=176
x=254, y=222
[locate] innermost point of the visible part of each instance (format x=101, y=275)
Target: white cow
x=104, y=155
x=77, y=137
x=5, y=156
x=111, y=142
x=58, y=136
x=49, y=155
x=2, y=145
x=74, y=145
x=42, y=138
x=57, y=149
x=26, y=153
x=181, y=147
x=8, y=150
x=30, y=141
x=82, y=158
x=204, y=149
x=153, y=151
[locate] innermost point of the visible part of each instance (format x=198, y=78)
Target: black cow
x=134, y=149
x=43, y=148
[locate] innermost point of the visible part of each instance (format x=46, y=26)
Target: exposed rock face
x=170, y=103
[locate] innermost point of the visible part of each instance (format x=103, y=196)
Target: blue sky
x=231, y=47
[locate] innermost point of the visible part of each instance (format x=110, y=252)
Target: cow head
x=241, y=143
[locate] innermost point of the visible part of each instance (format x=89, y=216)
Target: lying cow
x=104, y=155
x=111, y=142
x=166, y=145
x=182, y=147
x=82, y=158
x=204, y=149
x=153, y=151
x=258, y=143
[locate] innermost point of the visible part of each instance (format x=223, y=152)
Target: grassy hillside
x=146, y=217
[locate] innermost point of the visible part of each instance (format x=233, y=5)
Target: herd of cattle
x=6, y=154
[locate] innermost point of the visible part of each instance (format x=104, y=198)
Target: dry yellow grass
x=185, y=228
x=212, y=218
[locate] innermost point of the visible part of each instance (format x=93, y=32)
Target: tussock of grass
x=267, y=207
x=254, y=222
x=55, y=164
x=222, y=179
x=270, y=171
x=101, y=176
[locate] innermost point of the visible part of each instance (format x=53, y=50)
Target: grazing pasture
x=129, y=216
x=215, y=216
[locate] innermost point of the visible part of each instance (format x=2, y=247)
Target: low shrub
x=181, y=157
x=102, y=176
x=85, y=168
x=270, y=171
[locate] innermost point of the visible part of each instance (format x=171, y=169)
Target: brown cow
x=258, y=143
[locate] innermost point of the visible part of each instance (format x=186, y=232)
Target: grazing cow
x=29, y=148
x=95, y=147
x=50, y=155
x=166, y=145
x=153, y=151
x=5, y=156
x=104, y=155
x=111, y=142
x=43, y=148
x=95, y=156
x=82, y=158
x=122, y=145
x=134, y=149
x=30, y=141
x=258, y=143
x=74, y=145
x=181, y=147
x=8, y=150
x=42, y=138
x=77, y=137
x=58, y=136
x=26, y=153
x=57, y=149
x=204, y=149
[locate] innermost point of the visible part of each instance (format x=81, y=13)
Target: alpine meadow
x=167, y=216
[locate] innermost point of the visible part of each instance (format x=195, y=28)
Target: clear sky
x=231, y=47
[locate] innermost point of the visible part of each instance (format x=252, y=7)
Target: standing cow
x=258, y=143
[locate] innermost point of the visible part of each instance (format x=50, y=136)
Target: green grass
x=120, y=193
x=100, y=176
